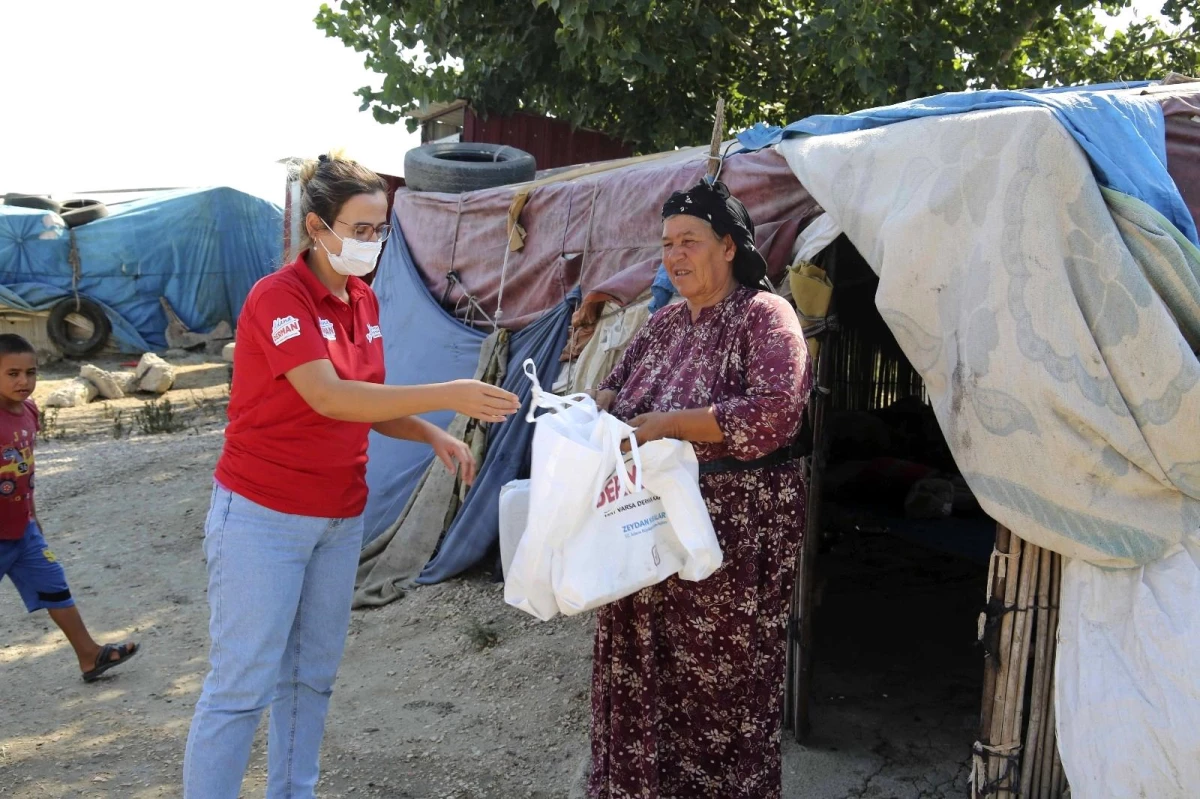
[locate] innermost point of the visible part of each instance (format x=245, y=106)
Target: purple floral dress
x=687, y=681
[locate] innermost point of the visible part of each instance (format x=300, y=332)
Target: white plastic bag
x=599, y=530
x=649, y=522
x=514, y=516
x=672, y=472
x=570, y=450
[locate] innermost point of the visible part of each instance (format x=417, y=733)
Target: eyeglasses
x=365, y=232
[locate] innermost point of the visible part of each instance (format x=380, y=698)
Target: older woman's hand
x=654, y=426
x=698, y=425
x=604, y=399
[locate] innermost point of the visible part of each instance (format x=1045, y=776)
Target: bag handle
x=619, y=436
x=540, y=398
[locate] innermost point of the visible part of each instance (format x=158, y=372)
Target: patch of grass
x=119, y=430
x=482, y=636
x=48, y=422
x=158, y=417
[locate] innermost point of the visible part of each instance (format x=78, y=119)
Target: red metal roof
x=552, y=142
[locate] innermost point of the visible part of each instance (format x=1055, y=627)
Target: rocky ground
x=446, y=693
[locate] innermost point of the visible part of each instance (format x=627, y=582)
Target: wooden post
x=1047, y=784
x=1019, y=665
x=718, y=136
x=1005, y=654
x=798, y=691
x=1017, y=753
x=1041, y=661
x=990, y=633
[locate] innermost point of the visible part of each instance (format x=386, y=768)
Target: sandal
x=105, y=661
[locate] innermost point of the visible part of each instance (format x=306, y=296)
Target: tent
x=1032, y=255
x=202, y=250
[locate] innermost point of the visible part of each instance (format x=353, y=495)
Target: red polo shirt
x=279, y=452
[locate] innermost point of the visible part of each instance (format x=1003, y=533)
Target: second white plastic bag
x=601, y=525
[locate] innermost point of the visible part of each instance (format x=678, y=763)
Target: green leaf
x=649, y=71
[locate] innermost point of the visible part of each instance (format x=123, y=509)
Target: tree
x=649, y=71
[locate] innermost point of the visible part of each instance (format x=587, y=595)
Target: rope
x=992, y=568
x=720, y=159
x=454, y=243
x=453, y=279
x=980, y=752
x=503, y=278
x=76, y=267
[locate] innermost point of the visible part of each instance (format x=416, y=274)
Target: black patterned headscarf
x=714, y=204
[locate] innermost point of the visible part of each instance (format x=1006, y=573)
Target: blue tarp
x=425, y=344
x=1122, y=132
x=202, y=250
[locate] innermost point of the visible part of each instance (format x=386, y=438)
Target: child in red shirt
x=24, y=556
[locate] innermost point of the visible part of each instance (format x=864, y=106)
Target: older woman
x=687, y=681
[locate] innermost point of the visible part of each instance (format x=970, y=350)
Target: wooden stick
x=714, y=160
x=991, y=636
x=1048, y=733
x=1056, y=596
x=1018, y=669
x=1037, y=706
x=1050, y=752
x=800, y=631
x=1004, y=650
x=1047, y=789
x=1058, y=781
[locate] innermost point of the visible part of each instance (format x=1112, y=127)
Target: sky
x=127, y=94
x=140, y=93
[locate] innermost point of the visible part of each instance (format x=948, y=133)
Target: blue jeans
x=279, y=593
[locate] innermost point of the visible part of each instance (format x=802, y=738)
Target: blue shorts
x=34, y=570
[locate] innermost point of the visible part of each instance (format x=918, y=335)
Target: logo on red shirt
x=284, y=328
x=373, y=332
x=327, y=329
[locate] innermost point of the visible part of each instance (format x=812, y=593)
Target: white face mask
x=358, y=257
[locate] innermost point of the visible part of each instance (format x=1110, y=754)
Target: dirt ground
x=446, y=693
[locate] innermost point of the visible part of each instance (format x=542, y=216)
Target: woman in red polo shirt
x=284, y=529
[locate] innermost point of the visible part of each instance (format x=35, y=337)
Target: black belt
x=779, y=457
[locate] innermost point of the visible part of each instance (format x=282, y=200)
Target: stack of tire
x=73, y=212
x=456, y=167
x=73, y=312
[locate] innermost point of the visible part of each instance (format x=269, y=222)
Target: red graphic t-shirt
x=18, y=432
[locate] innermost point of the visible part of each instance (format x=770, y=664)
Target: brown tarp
x=598, y=226
x=600, y=231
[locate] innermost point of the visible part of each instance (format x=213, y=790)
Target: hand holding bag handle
x=540, y=398
x=619, y=433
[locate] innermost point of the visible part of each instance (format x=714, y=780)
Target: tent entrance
x=884, y=650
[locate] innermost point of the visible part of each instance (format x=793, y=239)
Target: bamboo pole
x=990, y=636
x=1043, y=784
x=1046, y=788
x=1037, y=708
x=1004, y=651
x=714, y=154
x=1055, y=594
x=1018, y=663
x=1049, y=734
x=1058, y=781
x=800, y=631
x=1052, y=788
